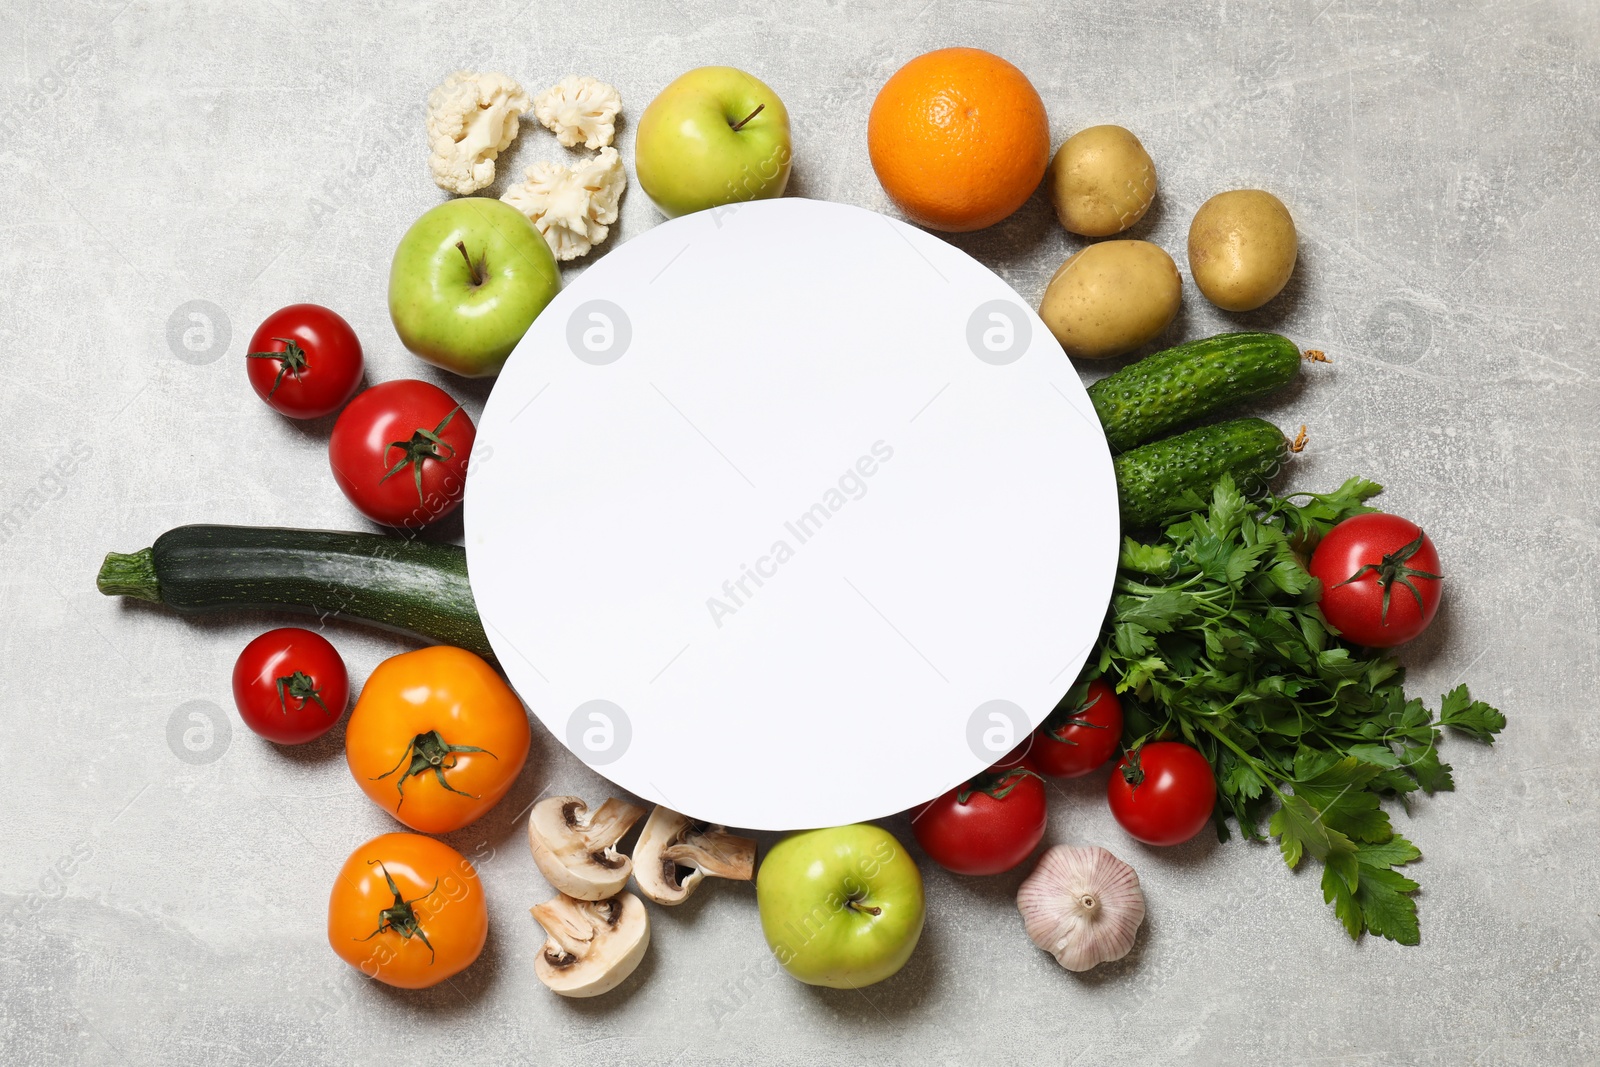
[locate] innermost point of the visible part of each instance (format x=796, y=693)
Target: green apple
x=467, y=281
x=840, y=907
x=715, y=136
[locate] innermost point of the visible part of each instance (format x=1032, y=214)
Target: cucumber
x=412, y=587
x=1143, y=400
x=1173, y=476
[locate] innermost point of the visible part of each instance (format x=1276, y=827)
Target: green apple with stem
x=840, y=907
x=714, y=136
x=467, y=281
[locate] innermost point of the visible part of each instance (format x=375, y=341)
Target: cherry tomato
x=1380, y=579
x=408, y=911
x=437, y=738
x=986, y=826
x=290, y=685
x=1081, y=734
x=1162, y=793
x=399, y=452
x=304, y=361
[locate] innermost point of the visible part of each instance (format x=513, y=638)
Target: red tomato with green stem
x=1162, y=792
x=986, y=826
x=304, y=361
x=1380, y=579
x=399, y=453
x=1081, y=734
x=290, y=685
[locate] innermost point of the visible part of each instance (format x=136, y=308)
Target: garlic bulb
x=1081, y=905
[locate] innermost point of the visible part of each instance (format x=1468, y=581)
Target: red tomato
x=986, y=826
x=1080, y=736
x=304, y=361
x=290, y=685
x=1163, y=792
x=1380, y=579
x=399, y=452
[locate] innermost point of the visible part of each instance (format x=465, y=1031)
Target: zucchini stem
x=130, y=574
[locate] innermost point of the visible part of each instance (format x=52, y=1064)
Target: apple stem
x=740, y=124
x=473, y=269
x=870, y=909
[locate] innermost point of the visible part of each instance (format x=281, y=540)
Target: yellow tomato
x=408, y=911
x=437, y=738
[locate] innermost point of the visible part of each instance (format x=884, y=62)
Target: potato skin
x=1242, y=248
x=1110, y=298
x=1101, y=181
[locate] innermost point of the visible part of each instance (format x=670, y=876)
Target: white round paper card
x=788, y=515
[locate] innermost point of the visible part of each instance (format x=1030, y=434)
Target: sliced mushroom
x=675, y=853
x=592, y=945
x=577, y=850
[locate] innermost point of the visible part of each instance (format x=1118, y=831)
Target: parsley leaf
x=1146, y=559
x=1473, y=717
x=1394, y=852
x=1386, y=905
x=1299, y=828
x=1214, y=636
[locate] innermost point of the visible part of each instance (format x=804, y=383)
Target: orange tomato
x=437, y=738
x=408, y=911
x=959, y=138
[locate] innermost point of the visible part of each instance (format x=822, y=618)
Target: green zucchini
x=1175, y=475
x=1143, y=400
x=413, y=587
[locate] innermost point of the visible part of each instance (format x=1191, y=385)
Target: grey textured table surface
x=1439, y=159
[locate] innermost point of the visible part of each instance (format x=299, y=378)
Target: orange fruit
x=959, y=139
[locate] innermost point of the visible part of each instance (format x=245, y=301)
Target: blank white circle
x=802, y=529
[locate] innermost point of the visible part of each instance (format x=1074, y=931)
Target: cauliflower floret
x=472, y=118
x=579, y=109
x=573, y=207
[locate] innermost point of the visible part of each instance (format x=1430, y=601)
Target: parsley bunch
x=1214, y=635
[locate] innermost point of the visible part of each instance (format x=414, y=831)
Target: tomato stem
x=292, y=360
x=1131, y=772
x=401, y=916
x=429, y=752
x=1077, y=704
x=422, y=446
x=997, y=784
x=1394, y=569
x=302, y=687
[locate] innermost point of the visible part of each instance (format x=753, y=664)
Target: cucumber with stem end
x=1180, y=385
x=412, y=587
x=1171, y=477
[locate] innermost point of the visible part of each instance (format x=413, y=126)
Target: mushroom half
x=591, y=945
x=675, y=854
x=577, y=850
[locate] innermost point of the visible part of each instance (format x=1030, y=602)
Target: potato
x=1101, y=181
x=1242, y=248
x=1111, y=297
